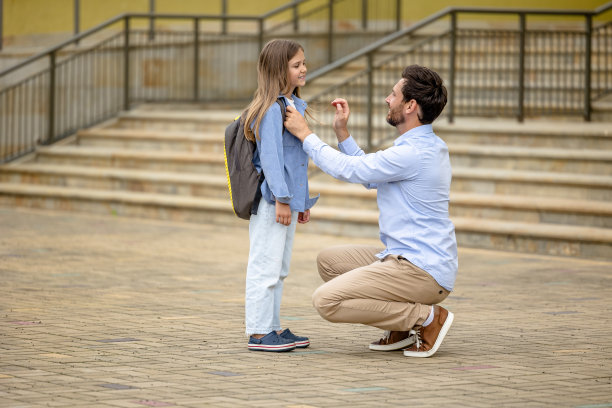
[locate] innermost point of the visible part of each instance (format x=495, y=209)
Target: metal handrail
x=122, y=93
x=452, y=12
x=152, y=16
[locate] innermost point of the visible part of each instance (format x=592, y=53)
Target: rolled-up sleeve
x=392, y=164
x=271, y=154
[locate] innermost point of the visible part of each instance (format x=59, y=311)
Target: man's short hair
x=427, y=88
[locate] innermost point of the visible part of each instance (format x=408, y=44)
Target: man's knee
x=323, y=303
x=324, y=264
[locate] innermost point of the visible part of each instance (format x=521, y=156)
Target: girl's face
x=297, y=71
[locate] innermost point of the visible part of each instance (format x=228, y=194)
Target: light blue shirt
x=284, y=163
x=413, y=181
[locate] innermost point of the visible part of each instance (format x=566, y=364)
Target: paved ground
x=115, y=312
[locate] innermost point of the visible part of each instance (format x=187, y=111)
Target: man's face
x=395, y=101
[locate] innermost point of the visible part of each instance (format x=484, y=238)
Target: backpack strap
x=283, y=108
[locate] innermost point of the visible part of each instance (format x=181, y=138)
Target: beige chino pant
x=391, y=294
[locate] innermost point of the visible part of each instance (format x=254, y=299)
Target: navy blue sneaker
x=300, y=342
x=271, y=342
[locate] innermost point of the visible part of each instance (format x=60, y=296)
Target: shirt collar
x=296, y=100
x=414, y=133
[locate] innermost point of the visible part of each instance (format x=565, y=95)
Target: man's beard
x=395, y=117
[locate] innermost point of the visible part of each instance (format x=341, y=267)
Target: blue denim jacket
x=283, y=161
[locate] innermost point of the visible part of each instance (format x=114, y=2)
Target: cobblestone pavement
x=117, y=312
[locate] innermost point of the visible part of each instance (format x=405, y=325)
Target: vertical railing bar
x=224, y=17
x=451, y=67
x=521, y=96
x=364, y=14
x=587, y=68
x=569, y=80
x=126, y=64
x=151, y=20
x=330, y=32
x=196, y=59
x=95, y=69
x=77, y=17
x=398, y=15
x=261, y=33
x=370, y=88
x=51, y=107
x=1, y=27
x=296, y=18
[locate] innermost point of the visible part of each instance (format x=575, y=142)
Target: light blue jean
x=271, y=244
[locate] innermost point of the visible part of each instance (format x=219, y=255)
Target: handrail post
x=51, y=111
x=261, y=33
x=224, y=15
x=364, y=14
x=587, y=68
x=521, y=78
x=1, y=17
x=151, y=20
x=370, y=108
x=196, y=59
x=330, y=32
x=77, y=16
x=398, y=15
x=126, y=64
x=451, y=67
x=296, y=18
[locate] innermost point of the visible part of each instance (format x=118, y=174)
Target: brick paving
x=121, y=312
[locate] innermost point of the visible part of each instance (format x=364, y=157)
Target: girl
x=281, y=71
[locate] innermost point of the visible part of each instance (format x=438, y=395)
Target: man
x=397, y=289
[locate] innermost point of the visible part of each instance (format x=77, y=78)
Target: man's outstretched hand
x=296, y=124
x=341, y=118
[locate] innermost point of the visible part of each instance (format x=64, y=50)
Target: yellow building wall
x=26, y=17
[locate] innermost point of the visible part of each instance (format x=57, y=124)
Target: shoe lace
x=386, y=334
x=417, y=338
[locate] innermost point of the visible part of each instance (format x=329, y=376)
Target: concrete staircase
x=537, y=187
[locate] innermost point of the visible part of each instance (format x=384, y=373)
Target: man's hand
x=296, y=124
x=341, y=119
x=283, y=213
x=304, y=217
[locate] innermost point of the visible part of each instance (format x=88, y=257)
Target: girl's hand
x=304, y=217
x=283, y=213
x=341, y=118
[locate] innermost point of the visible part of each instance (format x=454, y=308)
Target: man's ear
x=411, y=106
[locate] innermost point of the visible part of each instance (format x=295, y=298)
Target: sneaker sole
x=302, y=344
x=441, y=335
x=261, y=347
x=408, y=341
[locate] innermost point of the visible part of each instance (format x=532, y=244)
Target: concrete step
x=185, y=120
x=117, y=179
x=517, y=183
x=559, y=132
x=333, y=194
x=570, y=135
x=484, y=206
x=130, y=204
x=532, y=158
x=525, y=237
x=532, y=183
x=203, y=162
x=144, y=139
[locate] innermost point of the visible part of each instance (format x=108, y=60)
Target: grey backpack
x=243, y=180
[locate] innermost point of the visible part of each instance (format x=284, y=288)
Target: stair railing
x=466, y=58
x=64, y=88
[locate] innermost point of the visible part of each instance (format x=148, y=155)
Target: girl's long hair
x=272, y=81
